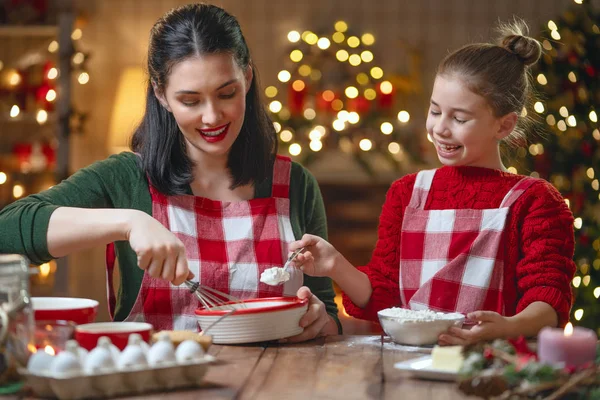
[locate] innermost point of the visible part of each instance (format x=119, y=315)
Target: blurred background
x=347, y=83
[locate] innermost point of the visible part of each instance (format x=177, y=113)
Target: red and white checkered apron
x=452, y=260
x=228, y=245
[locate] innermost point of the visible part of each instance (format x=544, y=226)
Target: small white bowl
x=255, y=320
x=418, y=333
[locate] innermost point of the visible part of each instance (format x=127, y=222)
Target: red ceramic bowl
x=80, y=311
x=118, y=332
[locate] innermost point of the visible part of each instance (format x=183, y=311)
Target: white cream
x=274, y=276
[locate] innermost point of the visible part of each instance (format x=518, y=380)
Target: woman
x=203, y=195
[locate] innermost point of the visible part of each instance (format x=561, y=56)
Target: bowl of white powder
x=417, y=327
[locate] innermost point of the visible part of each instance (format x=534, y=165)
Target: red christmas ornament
x=385, y=100
x=296, y=97
x=586, y=149
x=590, y=71
x=359, y=104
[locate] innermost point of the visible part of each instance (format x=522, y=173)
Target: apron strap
x=421, y=189
x=281, y=177
x=110, y=268
x=516, y=191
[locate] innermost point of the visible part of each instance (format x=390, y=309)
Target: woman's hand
x=158, y=250
x=319, y=257
x=316, y=322
x=490, y=325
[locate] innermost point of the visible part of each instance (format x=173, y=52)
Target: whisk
x=210, y=297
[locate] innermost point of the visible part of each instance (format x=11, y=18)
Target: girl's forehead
x=451, y=89
x=207, y=71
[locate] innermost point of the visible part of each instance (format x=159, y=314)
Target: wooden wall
x=117, y=34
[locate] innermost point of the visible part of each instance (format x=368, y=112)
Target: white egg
x=39, y=363
x=99, y=360
x=137, y=338
x=75, y=348
x=162, y=352
x=132, y=356
x=65, y=364
x=189, y=351
x=114, y=350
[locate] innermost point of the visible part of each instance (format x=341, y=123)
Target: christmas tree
x=333, y=95
x=568, y=154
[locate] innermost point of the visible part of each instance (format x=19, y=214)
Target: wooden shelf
x=28, y=30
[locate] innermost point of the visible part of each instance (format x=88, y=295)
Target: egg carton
x=119, y=382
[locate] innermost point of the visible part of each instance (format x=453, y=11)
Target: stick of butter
x=447, y=358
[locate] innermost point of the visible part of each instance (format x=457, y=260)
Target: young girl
x=204, y=194
x=467, y=237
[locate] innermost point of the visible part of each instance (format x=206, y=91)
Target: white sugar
x=406, y=315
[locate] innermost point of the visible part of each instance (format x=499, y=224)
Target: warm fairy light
x=353, y=42
x=286, y=135
x=550, y=120
x=341, y=26
x=295, y=149
x=552, y=26
x=15, y=111
x=3, y=178
x=298, y=85
x=534, y=174
x=343, y=115
x=304, y=70
x=555, y=35
x=394, y=148
x=429, y=138
x=596, y=134
x=51, y=95
x=578, y=314
x=386, y=128
x=590, y=173
x=18, y=191
x=563, y=111
x=568, y=203
x=342, y=55
x=386, y=87
x=328, y=95
x=78, y=58
x=311, y=38
x=315, y=134
x=572, y=121
x=593, y=116
x=365, y=144
x=309, y=114
x=403, y=116
x=538, y=107
x=576, y=281
x=41, y=117
x=321, y=129
x=337, y=104
x=293, y=36
x=284, y=114
x=44, y=270
x=353, y=117
x=541, y=78
x=561, y=125
x=77, y=34
x=370, y=94
x=572, y=77
x=275, y=106
x=14, y=79
x=512, y=170
x=338, y=37
x=368, y=39
x=315, y=145
x=597, y=292
x=338, y=125
x=323, y=43
x=315, y=74
x=596, y=184
x=524, y=112
x=52, y=73
x=578, y=1
x=586, y=280
x=284, y=76
x=578, y=223
x=354, y=60
x=53, y=46
x=83, y=78
x=351, y=92
x=366, y=56
x=362, y=78
x=296, y=55
x=271, y=91
x=1, y=65
x=376, y=72
x=277, y=127
x=547, y=45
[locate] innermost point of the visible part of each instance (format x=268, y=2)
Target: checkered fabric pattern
x=450, y=259
x=228, y=246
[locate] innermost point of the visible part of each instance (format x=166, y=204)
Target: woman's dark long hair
x=185, y=32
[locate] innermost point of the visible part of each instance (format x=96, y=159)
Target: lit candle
x=572, y=347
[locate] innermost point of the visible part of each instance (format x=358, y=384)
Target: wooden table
x=337, y=367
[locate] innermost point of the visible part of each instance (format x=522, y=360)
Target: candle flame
x=32, y=349
x=48, y=349
x=569, y=329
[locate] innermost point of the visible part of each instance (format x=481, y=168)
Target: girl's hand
x=316, y=322
x=319, y=257
x=158, y=250
x=490, y=325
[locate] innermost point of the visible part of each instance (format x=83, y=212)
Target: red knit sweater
x=538, y=236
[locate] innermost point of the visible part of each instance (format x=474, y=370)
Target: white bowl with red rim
x=255, y=320
x=77, y=310
x=87, y=335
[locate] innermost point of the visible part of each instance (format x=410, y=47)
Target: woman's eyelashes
x=224, y=96
x=458, y=120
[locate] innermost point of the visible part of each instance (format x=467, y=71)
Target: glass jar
x=16, y=316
